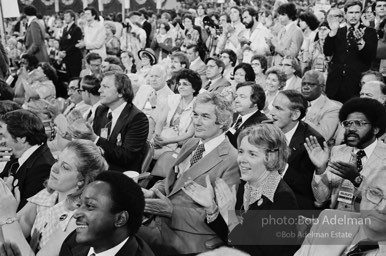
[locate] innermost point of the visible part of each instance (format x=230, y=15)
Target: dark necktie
x=13, y=166
x=362, y=247
x=208, y=85
x=351, y=41
x=197, y=155
x=109, y=124
x=360, y=154
x=238, y=123
x=89, y=115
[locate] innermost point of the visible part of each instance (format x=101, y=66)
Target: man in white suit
x=179, y=225
x=338, y=176
x=361, y=233
x=290, y=37
x=322, y=113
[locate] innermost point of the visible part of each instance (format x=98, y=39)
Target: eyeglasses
x=73, y=89
x=374, y=195
x=80, y=90
x=356, y=123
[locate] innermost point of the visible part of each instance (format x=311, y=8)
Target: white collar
x=30, y=19
x=196, y=60
x=109, y=252
x=215, y=80
x=117, y=112
x=289, y=25
x=69, y=25
x=313, y=102
x=213, y=143
x=288, y=82
x=369, y=149
x=245, y=117
x=27, y=154
x=290, y=133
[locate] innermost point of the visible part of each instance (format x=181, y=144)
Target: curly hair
x=263, y=61
x=280, y=75
x=193, y=77
x=310, y=19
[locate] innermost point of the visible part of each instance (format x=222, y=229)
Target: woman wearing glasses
x=175, y=124
x=263, y=154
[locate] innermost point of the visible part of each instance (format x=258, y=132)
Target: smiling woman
x=48, y=216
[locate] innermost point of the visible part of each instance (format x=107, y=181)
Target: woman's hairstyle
x=280, y=75
x=166, y=25
x=295, y=65
x=249, y=73
x=272, y=140
x=192, y=77
x=90, y=163
x=310, y=19
x=263, y=61
x=177, y=21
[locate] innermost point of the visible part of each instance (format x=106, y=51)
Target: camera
x=209, y=23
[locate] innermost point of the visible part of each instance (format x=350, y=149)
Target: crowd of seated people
x=193, y=132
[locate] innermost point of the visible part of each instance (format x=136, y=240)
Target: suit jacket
x=200, y=67
x=34, y=41
x=133, y=247
x=300, y=168
x=124, y=147
x=295, y=84
x=73, y=59
x=323, y=116
x=321, y=242
x=289, y=44
x=163, y=49
x=186, y=230
x=327, y=185
x=147, y=27
x=348, y=63
x=217, y=86
x=256, y=118
x=32, y=174
x=249, y=236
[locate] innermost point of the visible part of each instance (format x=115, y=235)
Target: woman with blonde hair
x=48, y=216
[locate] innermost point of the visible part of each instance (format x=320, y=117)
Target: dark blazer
x=300, y=168
x=73, y=59
x=32, y=174
x=348, y=63
x=133, y=247
x=124, y=148
x=34, y=41
x=250, y=231
x=256, y=118
x=147, y=27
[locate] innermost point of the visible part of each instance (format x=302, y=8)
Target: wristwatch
x=9, y=220
x=358, y=180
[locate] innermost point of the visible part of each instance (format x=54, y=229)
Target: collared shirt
x=30, y=20
x=82, y=107
x=209, y=147
x=214, y=81
x=69, y=25
x=195, y=61
x=109, y=252
x=245, y=117
x=27, y=154
x=116, y=113
x=92, y=110
x=368, y=150
x=288, y=135
x=288, y=82
x=258, y=39
x=289, y=25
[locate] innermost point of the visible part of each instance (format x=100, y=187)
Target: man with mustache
x=340, y=173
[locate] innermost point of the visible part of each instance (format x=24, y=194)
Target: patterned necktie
x=351, y=41
x=109, y=124
x=360, y=154
x=197, y=155
x=362, y=247
x=238, y=123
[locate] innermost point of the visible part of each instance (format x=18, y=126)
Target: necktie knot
x=14, y=166
x=110, y=116
x=197, y=154
x=360, y=154
x=238, y=123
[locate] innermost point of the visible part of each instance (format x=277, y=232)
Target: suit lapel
x=121, y=121
x=296, y=142
x=202, y=166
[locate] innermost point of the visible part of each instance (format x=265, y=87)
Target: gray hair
x=223, y=108
x=317, y=75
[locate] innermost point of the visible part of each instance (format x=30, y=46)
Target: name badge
x=105, y=133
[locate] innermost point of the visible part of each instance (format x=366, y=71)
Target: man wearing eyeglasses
x=339, y=173
x=362, y=233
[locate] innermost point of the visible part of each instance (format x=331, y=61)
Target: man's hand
x=147, y=193
x=80, y=45
x=333, y=23
x=80, y=129
x=347, y=171
x=319, y=156
x=161, y=206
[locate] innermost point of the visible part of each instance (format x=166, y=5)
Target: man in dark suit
x=110, y=228
x=249, y=101
x=119, y=127
x=31, y=160
x=179, y=224
x=34, y=37
x=352, y=48
x=145, y=25
x=214, y=72
x=72, y=34
x=289, y=107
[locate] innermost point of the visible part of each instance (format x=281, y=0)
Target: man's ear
x=295, y=114
x=121, y=219
x=21, y=140
x=376, y=131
